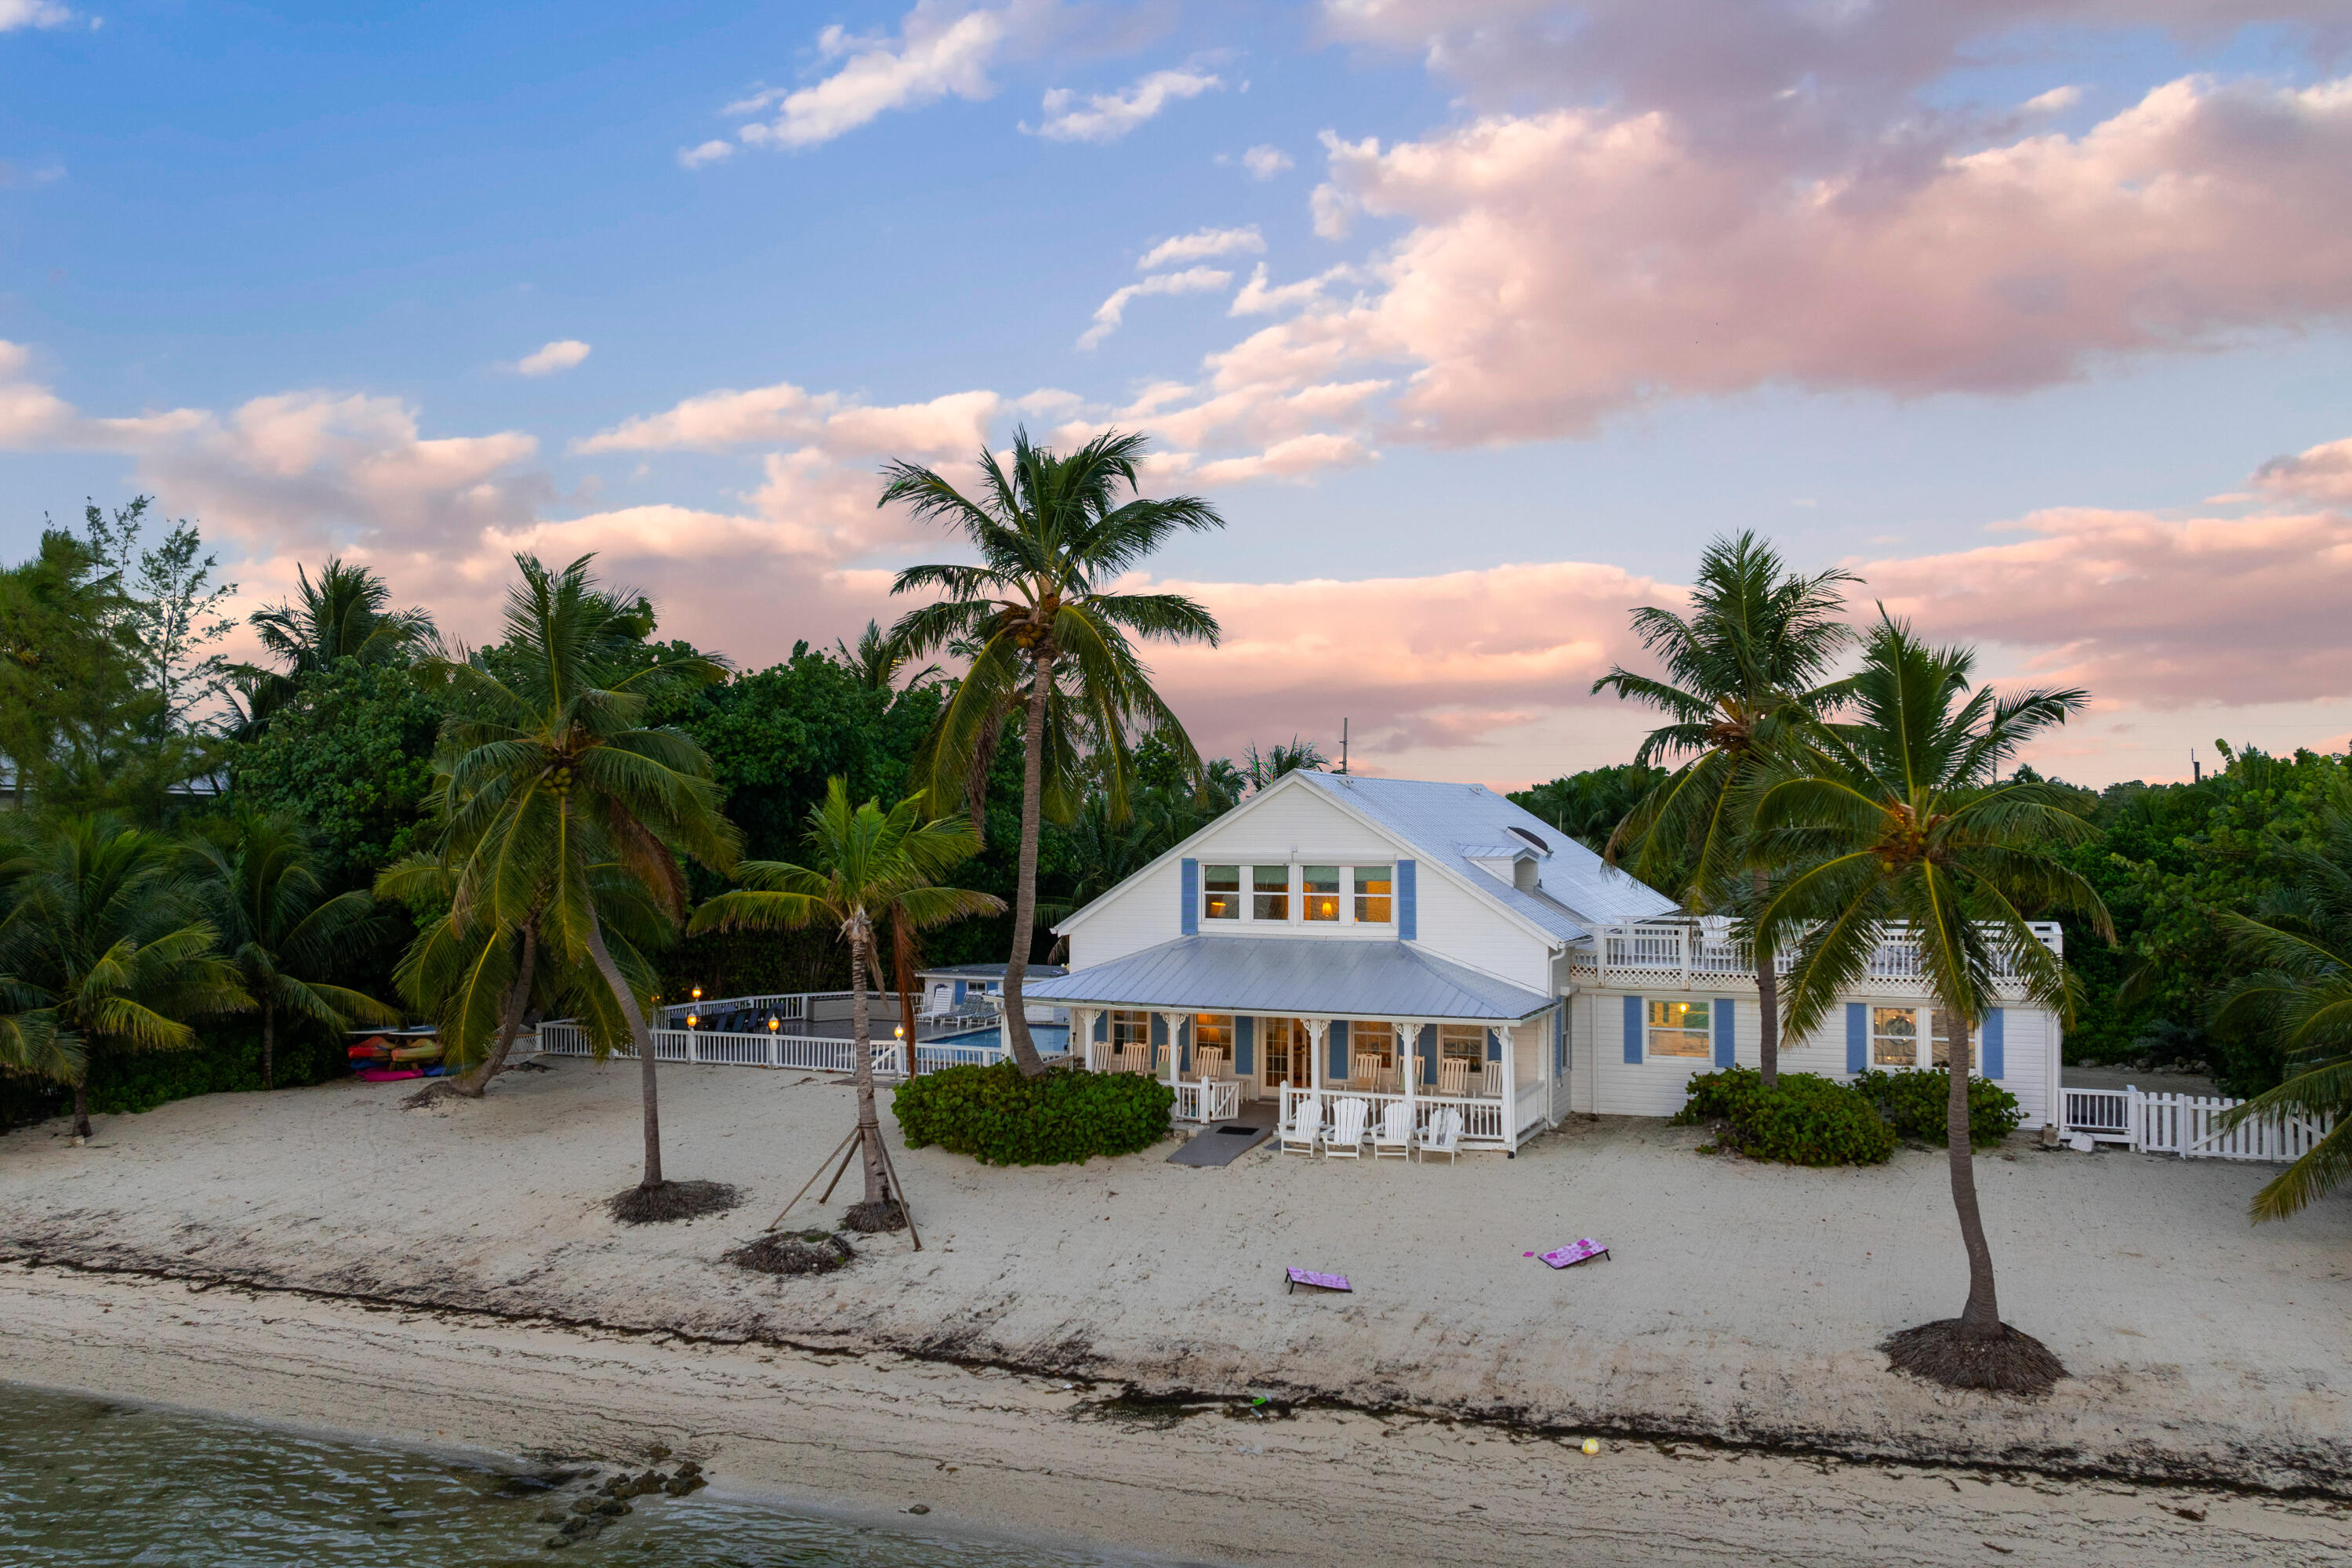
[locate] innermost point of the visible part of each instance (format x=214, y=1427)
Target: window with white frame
x=1373, y=890
x=1464, y=1042
x=1269, y=892
x=1318, y=892
x=1372, y=1041
x=1949, y=1030
x=1213, y=1032
x=1679, y=1029
x=1131, y=1031
x=1894, y=1036
x=1221, y=892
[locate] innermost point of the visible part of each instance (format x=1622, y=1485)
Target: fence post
x=2132, y=1119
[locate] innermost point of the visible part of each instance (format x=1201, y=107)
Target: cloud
x=939, y=51
x=789, y=415
x=1108, y=116
x=2321, y=474
x=15, y=14
x=1113, y=310
x=1256, y=298
x=1265, y=163
x=711, y=152
x=1201, y=245
x=1561, y=266
x=562, y=355
x=2057, y=101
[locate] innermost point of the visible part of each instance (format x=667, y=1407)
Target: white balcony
x=1704, y=955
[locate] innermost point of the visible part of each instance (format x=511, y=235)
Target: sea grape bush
x=1000, y=1118
x=1917, y=1105
x=1802, y=1120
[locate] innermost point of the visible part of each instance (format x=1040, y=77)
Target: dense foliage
x=1802, y=1120
x=1000, y=1117
x=1917, y=1105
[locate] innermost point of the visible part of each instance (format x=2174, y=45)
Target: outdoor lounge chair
x=1454, y=1078
x=1444, y=1134
x=1346, y=1138
x=1305, y=1129
x=1394, y=1134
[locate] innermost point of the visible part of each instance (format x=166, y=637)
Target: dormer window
x=1532, y=840
x=1221, y=892
x=1373, y=894
x=1319, y=892
x=1269, y=892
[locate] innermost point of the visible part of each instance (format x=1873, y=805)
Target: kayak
x=383, y=1075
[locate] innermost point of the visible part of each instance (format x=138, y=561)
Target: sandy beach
x=323, y=1258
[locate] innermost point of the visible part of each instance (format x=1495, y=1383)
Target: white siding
x=1142, y=911
x=1456, y=923
x=1657, y=1085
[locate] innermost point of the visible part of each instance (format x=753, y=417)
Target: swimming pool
x=1051, y=1040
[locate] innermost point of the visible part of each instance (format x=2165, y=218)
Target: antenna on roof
x=1343, y=745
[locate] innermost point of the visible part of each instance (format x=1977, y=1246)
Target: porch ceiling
x=1295, y=977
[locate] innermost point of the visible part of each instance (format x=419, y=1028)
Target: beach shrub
x=1000, y=1118
x=1916, y=1104
x=1802, y=1120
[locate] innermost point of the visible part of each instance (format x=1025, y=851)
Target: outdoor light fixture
x=691, y=1021
x=772, y=1025
x=697, y=993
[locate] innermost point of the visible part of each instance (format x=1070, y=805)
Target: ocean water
x=92, y=1482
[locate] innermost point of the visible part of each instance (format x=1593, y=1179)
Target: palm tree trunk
x=476, y=1082
x=638, y=1038
x=1024, y=893
x=870, y=1123
x=268, y=1038
x=1981, y=1317
x=81, y=1108
x=1768, y=1006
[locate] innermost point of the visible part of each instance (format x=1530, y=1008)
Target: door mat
x=1220, y=1145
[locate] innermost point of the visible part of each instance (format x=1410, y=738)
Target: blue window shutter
x=1429, y=1054
x=1995, y=1046
x=958, y=993
x=1558, y=1038
x=1493, y=1046
x=1634, y=1031
x=1102, y=1025
x=1158, y=1031
x=1184, y=1044
x=1408, y=912
x=1338, y=1047
x=1245, y=1040
x=1727, y=1047
x=1190, y=924
x=1857, y=1037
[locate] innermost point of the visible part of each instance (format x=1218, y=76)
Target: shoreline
x=867, y=1436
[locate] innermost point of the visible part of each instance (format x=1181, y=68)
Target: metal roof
x=1298, y=976
x=984, y=971
x=1461, y=823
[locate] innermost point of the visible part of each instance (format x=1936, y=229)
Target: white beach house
x=1435, y=946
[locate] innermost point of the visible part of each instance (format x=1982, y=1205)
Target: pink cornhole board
x=1575, y=1252
x=1298, y=1277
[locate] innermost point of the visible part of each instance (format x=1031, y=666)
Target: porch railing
x=2187, y=1125
x=1688, y=954
x=805, y=1053
x=1207, y=1099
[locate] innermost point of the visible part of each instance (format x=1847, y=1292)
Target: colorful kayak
x=385, y=1075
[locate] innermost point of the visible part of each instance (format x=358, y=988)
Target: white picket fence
x=2186, y=1125
x=802, y=1053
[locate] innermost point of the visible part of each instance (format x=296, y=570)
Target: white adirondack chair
x=1346, y=1138
x=1394, y=1134
x=1444, y=1134
x=1299, y=1134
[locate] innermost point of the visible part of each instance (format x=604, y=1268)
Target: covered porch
x=1291, y=1029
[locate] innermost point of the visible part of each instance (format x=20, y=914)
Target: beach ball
x=1592, y=1445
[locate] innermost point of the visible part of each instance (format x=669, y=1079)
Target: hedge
x=1000, y=1118
x=1916, y=1104
x=1802, y=1120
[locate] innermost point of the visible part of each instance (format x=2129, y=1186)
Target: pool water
x=1051, y=1040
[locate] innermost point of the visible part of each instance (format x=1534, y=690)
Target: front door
x=1280, y=1041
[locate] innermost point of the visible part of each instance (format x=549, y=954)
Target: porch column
x=1174, y=1023
x=1408, y=1037
x=1508, y=1035
x=1082, y=1024
x=1317, y=1030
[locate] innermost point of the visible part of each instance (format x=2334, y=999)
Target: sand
x=1741, y=1309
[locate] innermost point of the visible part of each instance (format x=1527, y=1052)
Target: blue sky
x=2005, y=305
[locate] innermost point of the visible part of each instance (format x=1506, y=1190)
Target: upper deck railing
x=1704, y=954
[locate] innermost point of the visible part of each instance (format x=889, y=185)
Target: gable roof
x=1462, y=824
x=1301, y=976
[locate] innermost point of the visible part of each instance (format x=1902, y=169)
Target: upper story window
x=1319, y=888
x=1221, y=896
x=1373, y=895
x=1679, y=1029
x=1269, y=892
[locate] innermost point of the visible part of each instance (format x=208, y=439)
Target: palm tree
x=551, y=773
x=1742, y=669
x=253, y=878
x=867, y=866
x=1049, y=638
x=2300, y=998
x=1298, y=756
x=342, y=616
x=102, y=950
x=878, y=659
x=1897, y=821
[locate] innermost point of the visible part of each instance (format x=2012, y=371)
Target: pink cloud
x=2321, y=474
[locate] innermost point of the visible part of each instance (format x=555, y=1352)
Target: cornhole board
x=1574, y=1253
x=1294, y=1277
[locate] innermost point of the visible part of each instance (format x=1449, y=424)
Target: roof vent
x=1521, y=832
